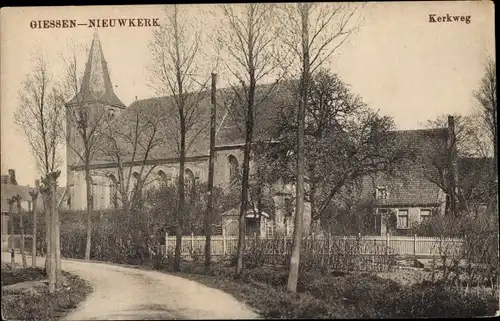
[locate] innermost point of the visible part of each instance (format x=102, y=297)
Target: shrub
x=433, y=301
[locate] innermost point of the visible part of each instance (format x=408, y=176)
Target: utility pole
x=21, y=227
x=34, y=199
x=11, y=237
x=209, y=215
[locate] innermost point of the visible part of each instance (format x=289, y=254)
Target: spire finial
x=96, y=35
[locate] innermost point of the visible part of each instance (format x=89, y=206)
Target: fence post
x=415, y=247
x=166, y=244
x=224, y=241
x=284, y=244
x=386, y=243
x=192, y=241
x=345, y=244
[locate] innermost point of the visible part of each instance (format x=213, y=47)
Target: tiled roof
x=409, y=185
x=197, y=137
x=10, y=190
x=96, y=83
x=273, y=103
x=230, y=122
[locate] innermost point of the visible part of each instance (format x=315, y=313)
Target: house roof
x=10, y=190
x=409, y=185
x=96, y=84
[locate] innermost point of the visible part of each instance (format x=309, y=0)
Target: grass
x=34, y=302
x=341, y=295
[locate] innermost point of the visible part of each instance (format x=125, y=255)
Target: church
x=96, y=93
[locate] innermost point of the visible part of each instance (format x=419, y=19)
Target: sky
x=398, y=62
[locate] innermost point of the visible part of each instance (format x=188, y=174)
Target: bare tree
x=486, y=105
x=85, y=123
x=442, y=158
x=130, y=139
x=176, y=72
x=41, y=117
x=315, y=31
x=247, y=36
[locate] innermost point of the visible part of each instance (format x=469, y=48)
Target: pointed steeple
x=96, y=84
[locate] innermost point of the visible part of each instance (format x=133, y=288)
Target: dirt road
x=126, y=293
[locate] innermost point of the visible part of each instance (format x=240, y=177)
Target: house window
x=382, y=193
x=402, y=219
x=425, y=214
x=270, y=229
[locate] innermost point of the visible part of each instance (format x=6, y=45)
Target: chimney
x=451, y=124
x=12, y=177
x=37, y=183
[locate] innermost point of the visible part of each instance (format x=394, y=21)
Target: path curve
x=122, y=293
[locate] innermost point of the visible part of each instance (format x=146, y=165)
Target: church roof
x=230, y=122
x=273, y=104
x=96, y=84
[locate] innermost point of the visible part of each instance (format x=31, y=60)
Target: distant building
x=9, y=189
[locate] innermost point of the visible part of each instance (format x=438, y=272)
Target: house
x=9, y=189
x=417, y=190
x=412, y=193
x=96, y=96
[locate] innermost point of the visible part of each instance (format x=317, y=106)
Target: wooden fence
x=397, y=245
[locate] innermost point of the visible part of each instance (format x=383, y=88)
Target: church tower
x=87, y=112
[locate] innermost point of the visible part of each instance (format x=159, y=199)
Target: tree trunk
x=90, y=209
x=245, y=178
x=34, y=209
x=48, y=216
x=58, y=248
x=293, y=275
x=209, y=214
x=21, y=227
x=11, y=220
x=53, y=234
x=181, y=205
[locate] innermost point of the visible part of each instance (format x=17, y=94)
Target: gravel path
x=122, y=293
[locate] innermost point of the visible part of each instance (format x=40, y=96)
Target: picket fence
x=418, y=246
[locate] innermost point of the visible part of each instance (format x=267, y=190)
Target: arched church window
x=162, y=178
x=113, y=191
x=189, y=183
x=135, y=182
x=233, y=169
